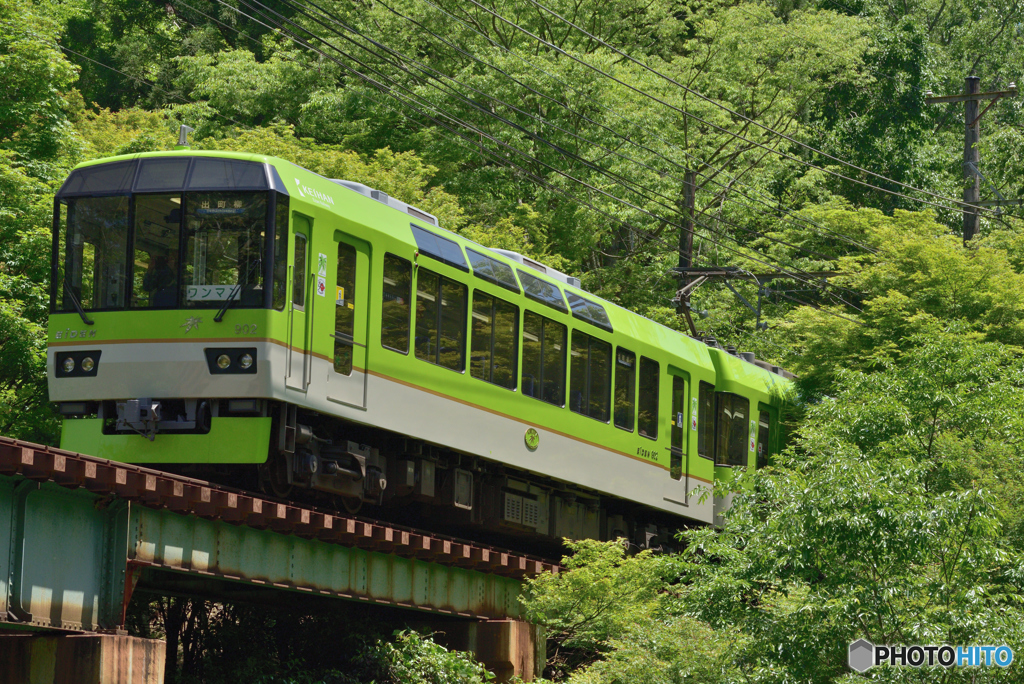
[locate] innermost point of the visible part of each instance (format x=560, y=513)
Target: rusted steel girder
x=75, y=532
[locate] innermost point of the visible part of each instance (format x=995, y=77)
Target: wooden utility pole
x=686, y=247
x=972, y=119
x=972, y=181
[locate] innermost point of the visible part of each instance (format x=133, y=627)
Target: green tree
x=37, y=142
x=882, y=522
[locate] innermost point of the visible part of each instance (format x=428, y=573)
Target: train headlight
x=77, y=364
x=231, y=360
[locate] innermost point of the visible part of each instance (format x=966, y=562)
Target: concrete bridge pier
x=508, y=648
x=80, y=659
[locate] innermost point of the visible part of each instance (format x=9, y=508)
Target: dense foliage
x=894, y=514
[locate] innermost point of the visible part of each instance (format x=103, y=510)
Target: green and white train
x=212, y=310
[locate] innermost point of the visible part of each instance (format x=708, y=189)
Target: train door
x=346, y=381
x=298, y=333
x=677, y=490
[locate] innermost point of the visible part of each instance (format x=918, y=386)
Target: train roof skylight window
x=589, y=311
x=100, y=179
x=210, y=173
x=542, y=291
x=440, y=248
x=492, y=270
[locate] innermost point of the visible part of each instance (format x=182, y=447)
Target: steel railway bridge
x=79, y=534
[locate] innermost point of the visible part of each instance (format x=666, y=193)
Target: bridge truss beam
x=77, y=533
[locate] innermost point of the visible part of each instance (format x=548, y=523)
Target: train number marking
x=648, y=454
x=247, y=329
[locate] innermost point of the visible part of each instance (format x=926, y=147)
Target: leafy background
x=895, y=512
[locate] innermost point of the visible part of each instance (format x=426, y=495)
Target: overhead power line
x=465, y=124
x=501, y=158
x=618, y=178
x=733, y=112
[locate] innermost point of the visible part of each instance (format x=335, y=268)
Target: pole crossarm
x=1011, y=91
x=732, y=273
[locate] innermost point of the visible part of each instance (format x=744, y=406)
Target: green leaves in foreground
x=895, y=518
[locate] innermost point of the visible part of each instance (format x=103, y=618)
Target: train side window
x=345, y=308
x=647, y=408
x=440, y=320
x=589, y=376
x=706, y=420
x=299, y=273
x=731, y=441
x=494, y=345
x=544, y=346
x=395, y=310
x=625, y=389
x=763, y=438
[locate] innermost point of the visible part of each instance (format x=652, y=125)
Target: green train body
x=363, y=351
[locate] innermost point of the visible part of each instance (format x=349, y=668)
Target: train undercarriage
x=361, y=469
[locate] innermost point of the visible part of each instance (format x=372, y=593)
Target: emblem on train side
x=69, y=334
x=532, y=439
x=313, y=194
x=191, y=323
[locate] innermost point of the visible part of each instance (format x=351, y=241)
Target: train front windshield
x=208, y=242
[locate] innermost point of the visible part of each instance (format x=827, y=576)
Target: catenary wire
x=733, y=112
x=792, y=272
x=571, y=178
x=625, y=183
x=654, y=134
x=727, y=187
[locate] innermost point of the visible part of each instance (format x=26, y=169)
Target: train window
x=677, y=429
x=647, y=409
x=155, y=251
x=492, y=270
x=224, y=248
x=101, y=178
x=495, y=342
x=280, y=252
x=394, y=330
x=763, y=438
x=162, y=174
x=440, y=248
x=345, y=309
x=731, y=438
x=542, y=291
x=299, y=271
x=706, y=420
x=228, y=174
x=589, y=311
x=440, y=320
x=625, y=389
x=94, y=240
x=544, y=345
x=589, y=376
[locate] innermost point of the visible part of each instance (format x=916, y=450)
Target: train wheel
x=351, y=504
x=276, y=481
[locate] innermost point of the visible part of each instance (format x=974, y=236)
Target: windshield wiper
x=223, y=309
x=243, y=281
x=78, y=304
